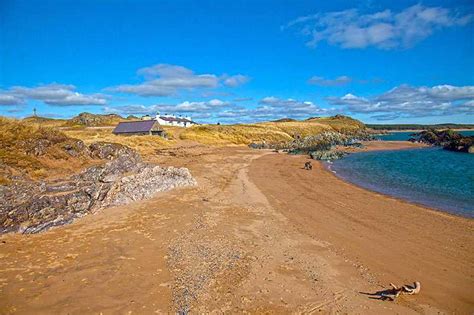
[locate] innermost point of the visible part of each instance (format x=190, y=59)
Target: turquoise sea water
x=433, y=177
x=405, y=135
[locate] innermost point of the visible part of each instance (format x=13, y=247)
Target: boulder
x=109, y=151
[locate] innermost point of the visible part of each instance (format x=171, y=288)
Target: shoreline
x=397, y=240
x=419, y=130
x=438, y=211
x=382, y=145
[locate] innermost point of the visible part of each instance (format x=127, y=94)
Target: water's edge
x=385, y=191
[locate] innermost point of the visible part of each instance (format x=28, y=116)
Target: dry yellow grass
x=16, y=138
x=44, y=122
x=146, y=145
x=269, y=131
x=234, y=134
x=18, y=141
x=340, y=123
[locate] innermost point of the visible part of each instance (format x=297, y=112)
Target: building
x=146, y=117
x=139, y=127
x=171, y=120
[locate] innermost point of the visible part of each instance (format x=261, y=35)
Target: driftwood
x=393, y=293
x=405, y=289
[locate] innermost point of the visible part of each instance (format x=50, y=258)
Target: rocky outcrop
x=327, y=155
x=93, y=120
x=32, y=207
x=326, y=141
x=465, y=144
x=449, y=139
x=321, y=146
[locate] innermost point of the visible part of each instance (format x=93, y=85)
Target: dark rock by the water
x=465, y=144
x=326, y=141
x=327, y=155
x=449, y=139
x=320, y=146
x=31, y=207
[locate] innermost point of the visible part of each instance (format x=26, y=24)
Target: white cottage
x=172, y=120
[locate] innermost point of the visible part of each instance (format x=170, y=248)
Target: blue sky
x=239, y=61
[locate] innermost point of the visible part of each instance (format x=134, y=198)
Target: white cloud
x=166, y=80
x=51, y=94
x=292, y=108
x=342, y=80
x=236, y=80
x=272, y=107
x=384, y=29
x=187, y=107
x=7, y=99
x=268, y=108
x=408, y=101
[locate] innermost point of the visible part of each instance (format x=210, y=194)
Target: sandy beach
x=258, y=234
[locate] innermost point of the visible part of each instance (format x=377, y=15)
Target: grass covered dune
x=40, y=147
x=270, y=131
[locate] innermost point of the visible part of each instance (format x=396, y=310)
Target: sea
x=405, y=135
x=433, y=177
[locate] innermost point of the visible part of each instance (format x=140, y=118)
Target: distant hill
x=95, y=120
x=83, y=119
x=285, y=120
x=419, y=126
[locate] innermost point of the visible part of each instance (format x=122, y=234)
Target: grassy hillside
x=40, y=147
x=145, y=145
x=44, y=121
x=269, y=131
x=26, y=148
x=81, y=120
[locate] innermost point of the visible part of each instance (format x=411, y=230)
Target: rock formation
x=449, y=139
x=327, y=155
x=31, y=207
x=92, y=120
x=320, y=146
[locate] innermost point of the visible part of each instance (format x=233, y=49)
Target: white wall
x=173, y=123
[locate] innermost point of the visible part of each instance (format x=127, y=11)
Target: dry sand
x=258, y=234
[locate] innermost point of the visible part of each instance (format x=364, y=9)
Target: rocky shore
x=449, y=139
x=33, y=206
x=322, y=146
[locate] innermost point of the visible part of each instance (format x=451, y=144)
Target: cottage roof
x=134, y=126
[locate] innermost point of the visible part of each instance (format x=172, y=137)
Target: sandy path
x=243, y=240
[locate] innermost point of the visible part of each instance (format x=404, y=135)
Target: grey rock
x=32, y=207
x=327, y=155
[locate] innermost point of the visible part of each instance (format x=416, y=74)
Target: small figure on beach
x=308, y=166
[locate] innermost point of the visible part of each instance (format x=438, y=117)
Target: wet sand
x=258, y=234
